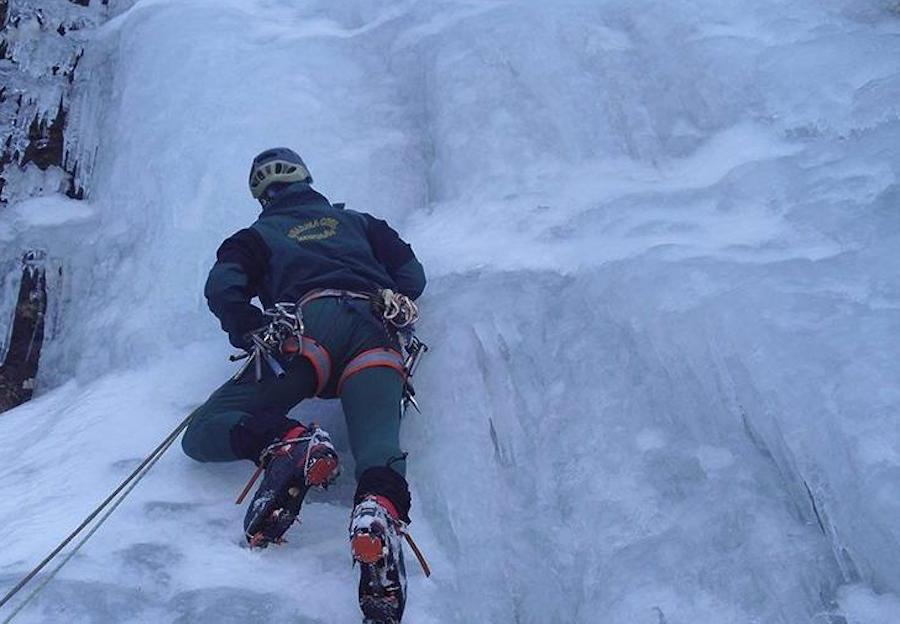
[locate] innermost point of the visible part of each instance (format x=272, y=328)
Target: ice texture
x=662, y=243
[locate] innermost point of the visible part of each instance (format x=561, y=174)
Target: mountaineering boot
x=375, y=532
x=302, y=458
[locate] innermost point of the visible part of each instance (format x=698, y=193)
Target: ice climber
x=341, y=270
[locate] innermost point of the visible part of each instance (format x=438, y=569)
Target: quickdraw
x=282, y=335
x=398, y=309
x=414, y=350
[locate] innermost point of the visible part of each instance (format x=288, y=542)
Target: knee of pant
x=198, y=442
x=191, y=443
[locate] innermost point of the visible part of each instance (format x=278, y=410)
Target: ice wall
x=663, y=305
x=721, y=186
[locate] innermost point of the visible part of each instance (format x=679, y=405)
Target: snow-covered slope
x=662, y=243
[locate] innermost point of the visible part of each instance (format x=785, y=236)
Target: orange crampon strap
x=418, y=553
x=382, y=356
x=246, y=490
x=264, y=457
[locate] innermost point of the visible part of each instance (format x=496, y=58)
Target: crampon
x=303, y=458
x=375, y=543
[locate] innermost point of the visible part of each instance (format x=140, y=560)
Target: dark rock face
x=45, y=141
x=41, y=44
x=19, y=368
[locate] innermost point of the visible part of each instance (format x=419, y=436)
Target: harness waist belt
x=320, y=293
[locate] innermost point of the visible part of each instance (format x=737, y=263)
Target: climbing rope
x=118, y=495
x=397, y=309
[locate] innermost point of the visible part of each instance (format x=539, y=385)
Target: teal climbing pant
x=243, y=416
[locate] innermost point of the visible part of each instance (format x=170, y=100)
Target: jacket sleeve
x=397, y=257
x=233, y=282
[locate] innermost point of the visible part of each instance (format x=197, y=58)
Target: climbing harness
x=283, y=337
x=321, y=293
x=115, y=499
x=395, y=308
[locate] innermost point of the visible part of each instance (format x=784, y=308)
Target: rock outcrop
x=20, y=366
x=41, y=45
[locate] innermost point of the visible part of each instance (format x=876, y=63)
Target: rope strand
x=88, y=535
x=134, y=477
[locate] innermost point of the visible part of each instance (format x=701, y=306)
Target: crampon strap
x=391, y=508
x=267, y=452
x=418, y=553
x=246, y=490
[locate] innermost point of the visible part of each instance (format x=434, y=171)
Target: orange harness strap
x=381, y=356
x=321, y=361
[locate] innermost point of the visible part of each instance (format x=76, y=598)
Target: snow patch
x=51, y=211
x=861, y=605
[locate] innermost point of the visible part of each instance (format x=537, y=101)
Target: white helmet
x=278, y=164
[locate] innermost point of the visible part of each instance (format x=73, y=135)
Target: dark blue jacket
x=299, y=243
